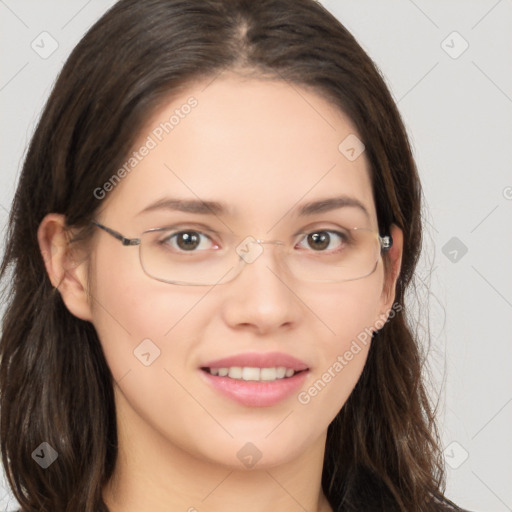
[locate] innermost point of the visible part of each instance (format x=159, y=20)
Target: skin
x=270, y=147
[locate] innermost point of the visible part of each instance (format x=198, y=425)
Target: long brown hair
x=382, y=449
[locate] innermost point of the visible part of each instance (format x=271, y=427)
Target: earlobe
x=395, y=264
x=65, y=271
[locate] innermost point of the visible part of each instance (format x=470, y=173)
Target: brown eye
x=319, y=241
x=324, y=241
x=188, y=240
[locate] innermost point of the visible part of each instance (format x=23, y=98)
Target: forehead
x=260, y=147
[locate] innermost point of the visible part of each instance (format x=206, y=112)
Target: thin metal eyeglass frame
x=385, y=241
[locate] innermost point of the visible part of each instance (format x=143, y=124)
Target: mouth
x=256, y=379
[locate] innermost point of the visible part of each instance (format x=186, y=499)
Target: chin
x=255, y=452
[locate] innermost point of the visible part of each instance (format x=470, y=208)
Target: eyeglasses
x=189, y=256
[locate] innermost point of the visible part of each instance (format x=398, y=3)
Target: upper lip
x=259, y=360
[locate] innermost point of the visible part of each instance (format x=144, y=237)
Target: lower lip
x=256, y=393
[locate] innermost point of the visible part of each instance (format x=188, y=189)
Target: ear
x=391, y=276
x=66, y=270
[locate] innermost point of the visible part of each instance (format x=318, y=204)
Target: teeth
x=250, y=373
x=235, y=372
x=268, y=374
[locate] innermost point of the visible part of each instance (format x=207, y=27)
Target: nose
x=263, y=297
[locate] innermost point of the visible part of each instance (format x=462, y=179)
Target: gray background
x=457, y=106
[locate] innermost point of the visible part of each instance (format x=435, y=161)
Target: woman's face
x=263, y=149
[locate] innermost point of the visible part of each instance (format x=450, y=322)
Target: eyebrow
x=187, y=205
x=217, y=208
x=332, y=203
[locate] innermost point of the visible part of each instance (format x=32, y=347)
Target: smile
x=256, y=379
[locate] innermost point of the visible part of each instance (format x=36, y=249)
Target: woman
x=214, y=229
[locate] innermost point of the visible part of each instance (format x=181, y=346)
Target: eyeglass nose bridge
x=277, y=242
x=250, y=248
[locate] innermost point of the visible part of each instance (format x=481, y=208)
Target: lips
x=278, y=376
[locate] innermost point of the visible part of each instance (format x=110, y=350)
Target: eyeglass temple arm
x=118, y=236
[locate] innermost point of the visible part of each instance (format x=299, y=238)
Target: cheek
x=135, y=316
x=148, y=330
x=348, y=311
